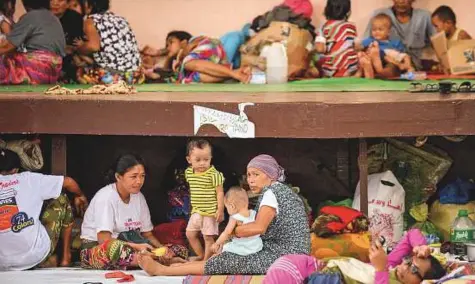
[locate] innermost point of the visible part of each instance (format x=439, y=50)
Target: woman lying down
x=409, y=263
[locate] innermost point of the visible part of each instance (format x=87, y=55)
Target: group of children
x=208, y=202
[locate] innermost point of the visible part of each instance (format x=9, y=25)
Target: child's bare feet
x=243, y=75
x=66, y=261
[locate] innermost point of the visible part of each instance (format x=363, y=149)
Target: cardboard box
x=457, y=58
x=298, y=43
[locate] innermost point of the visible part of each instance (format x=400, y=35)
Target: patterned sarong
x=35, y=67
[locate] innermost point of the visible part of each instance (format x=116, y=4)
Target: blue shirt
x=384, y=44
x=231, y=42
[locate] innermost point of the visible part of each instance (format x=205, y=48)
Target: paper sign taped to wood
x=233, y=125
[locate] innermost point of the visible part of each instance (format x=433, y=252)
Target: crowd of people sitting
x=116, y=231
x=83, y=41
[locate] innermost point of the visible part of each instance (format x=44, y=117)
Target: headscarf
x=300, y=7
x=268, y=165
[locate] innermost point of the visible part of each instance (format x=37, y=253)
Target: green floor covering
x=317, y=85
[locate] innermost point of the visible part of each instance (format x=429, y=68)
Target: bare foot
x=150, y=266
x=66, y=261
x=52, y=261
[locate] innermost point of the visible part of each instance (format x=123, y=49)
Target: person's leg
x=57, y=216
x=193, y=234
x=154, y=268
x=209, y=230
x=110, y=255
x=66, y=236
x=209, y=241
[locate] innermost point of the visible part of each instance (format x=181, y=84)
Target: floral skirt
x=117, y=255
x=35, y=67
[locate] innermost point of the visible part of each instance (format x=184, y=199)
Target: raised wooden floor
x=283, y=115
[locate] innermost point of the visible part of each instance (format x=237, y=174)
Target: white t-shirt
x=269, y=200
x=107, y=212
x=24, y=242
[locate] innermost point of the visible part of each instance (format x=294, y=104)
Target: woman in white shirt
x=28, y=234
x=119, y=208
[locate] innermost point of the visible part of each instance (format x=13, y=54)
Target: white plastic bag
x=386, y=207
x=277, y=63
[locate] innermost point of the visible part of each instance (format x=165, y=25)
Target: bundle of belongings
x=294, y=31
x=340, y=231
x=29, y=152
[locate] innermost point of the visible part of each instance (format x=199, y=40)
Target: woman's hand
x=80, y=203
x=378, y=257
x=216, y=248
x=142, y=248
x=422, y=251
x=177, y=62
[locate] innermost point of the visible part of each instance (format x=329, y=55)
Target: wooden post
x=58, y=155
x=363, y=169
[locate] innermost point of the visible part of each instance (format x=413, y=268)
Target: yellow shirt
x=203, y=190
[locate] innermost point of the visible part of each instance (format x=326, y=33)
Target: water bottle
x=277, y=64
x=461, y=232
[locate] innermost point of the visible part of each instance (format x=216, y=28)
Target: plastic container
x=414, y=76
x=277, y=63
x=462, y=232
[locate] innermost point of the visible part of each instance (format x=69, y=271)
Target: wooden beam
x=281, y=115
x=58, y=155
x=363, y=169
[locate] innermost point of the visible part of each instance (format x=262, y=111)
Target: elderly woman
x=411, y=26
x=112, y=44
x=280, y=220
x=40, y=34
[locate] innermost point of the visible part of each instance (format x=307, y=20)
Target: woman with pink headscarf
x=281, y=221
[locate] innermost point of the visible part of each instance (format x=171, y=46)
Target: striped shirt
x=203, y=190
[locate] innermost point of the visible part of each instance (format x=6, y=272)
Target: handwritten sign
x=233, y=125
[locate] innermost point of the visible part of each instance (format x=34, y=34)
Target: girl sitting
x=335, y=41
x=112, y=44
x=40, y=32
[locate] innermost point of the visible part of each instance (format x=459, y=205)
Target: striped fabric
x=340, y=59
x=203, y=190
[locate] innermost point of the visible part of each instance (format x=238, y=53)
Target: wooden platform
x=283, y=115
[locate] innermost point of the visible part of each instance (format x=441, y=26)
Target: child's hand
x=216, y=248
x=378, y=257
x=422, y=251
x=78, y=42
x=219, y=216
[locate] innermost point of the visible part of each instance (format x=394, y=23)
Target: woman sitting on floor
x=117, y=224
x=281, y=221
x=112, y=44
x=41, y=34
x=201, y=60
x=28, y=235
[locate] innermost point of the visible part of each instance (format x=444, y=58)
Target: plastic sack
x=386, y=206
x=421, y=214
x=443, y=215
x=418, y=170
x=457, y=192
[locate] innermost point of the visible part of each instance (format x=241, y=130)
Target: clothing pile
x=340, y=231
x=120, y=88
x=283, y=13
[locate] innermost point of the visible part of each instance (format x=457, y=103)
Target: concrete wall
x=153, y=19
